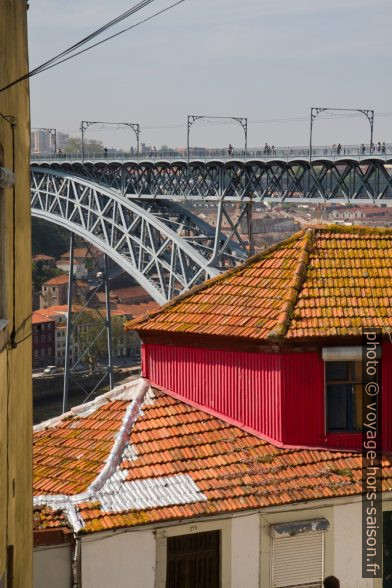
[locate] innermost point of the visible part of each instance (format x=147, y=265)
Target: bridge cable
x=65, y=55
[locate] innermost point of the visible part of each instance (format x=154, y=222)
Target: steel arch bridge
x=166, y=248
x=351, y=179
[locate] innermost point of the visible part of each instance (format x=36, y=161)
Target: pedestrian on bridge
x=230, y=150
x=339, y=148
x=383, y=148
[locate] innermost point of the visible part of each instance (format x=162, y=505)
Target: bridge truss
x=349, y=179
x=164, y=246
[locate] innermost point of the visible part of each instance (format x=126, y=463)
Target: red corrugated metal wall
x=303, y=398
x=280, y=396
x=246, y=387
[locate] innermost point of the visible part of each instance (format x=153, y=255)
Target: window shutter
x=298, y=560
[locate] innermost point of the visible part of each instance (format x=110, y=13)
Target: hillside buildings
x=44, y=340
x=15, y=303
x=235, y=460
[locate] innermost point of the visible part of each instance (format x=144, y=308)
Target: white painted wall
x=137, y=559
x=122, y=560
x=245, y=551
x=348, y=546
x=52, y=567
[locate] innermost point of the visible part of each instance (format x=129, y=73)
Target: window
x=193, y=561
x=344, y=395
x=298, y=554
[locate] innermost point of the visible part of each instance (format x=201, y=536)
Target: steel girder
x=165, y=247
x=349, y=180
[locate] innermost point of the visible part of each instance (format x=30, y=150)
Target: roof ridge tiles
x=294, y=288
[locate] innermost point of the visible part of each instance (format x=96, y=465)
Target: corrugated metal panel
x=298, y=560
x=278, y=395
x=245, y=387
x=303, y=398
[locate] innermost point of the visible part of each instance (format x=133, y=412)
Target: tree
x=91, y=146
x=41, y=272
x=90, y=337
x=48, y=238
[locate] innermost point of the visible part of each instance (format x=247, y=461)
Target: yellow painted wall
x=15, y=363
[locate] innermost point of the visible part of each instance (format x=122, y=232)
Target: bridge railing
x=383, y=150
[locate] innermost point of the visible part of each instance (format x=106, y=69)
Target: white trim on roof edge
x=105, y=489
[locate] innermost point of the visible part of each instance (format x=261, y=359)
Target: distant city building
x=129, y=295
x=86, y=261
x=44, y=347
x=41, y=142
x=124, y=347
x=62, y=140
x=55, y=291
x=374, y=216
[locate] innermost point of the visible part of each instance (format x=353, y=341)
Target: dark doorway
x=193, y=561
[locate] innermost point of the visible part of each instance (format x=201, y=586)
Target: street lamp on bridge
x=192, y=118
x=85, y=124
x=316, y=110
x=52, y=134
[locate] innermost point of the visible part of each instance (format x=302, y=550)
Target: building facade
x=44, y=341
x=15, y=303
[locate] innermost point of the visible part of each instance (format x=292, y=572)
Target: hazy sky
x=264, y=59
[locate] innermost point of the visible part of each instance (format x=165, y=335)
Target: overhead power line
x=72, y=51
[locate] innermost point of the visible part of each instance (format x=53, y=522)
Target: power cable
x=69, y=53
x=114, y=35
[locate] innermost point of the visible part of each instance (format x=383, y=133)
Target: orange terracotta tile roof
x=43, y=257
x=57, y=280
x=135, y=310
x=137, y=455
x=45, y=517
x=323, y=281
x=38, y=318
x=58, y=309
x=63, y=279
x=81, y=252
